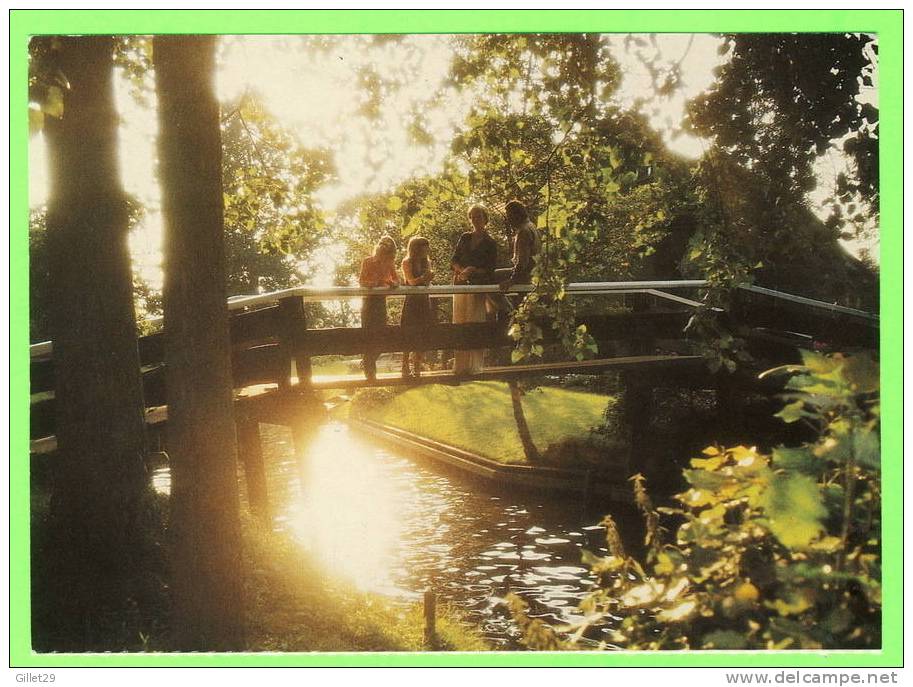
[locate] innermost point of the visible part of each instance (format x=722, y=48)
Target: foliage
x=147, y=301
x=773, y=551
x=272, y=221
x=545, y=131
x=367, y=400
x=779, y=104
x=133, y=59
x=608, y=197
x=782, y=99
x=39, y=277
x=434, y=207
x=47, y=83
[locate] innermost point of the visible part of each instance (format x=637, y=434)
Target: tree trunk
x=100, y=473
x=201, y=427
x=526, y=439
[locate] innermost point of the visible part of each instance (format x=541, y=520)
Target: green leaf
x=702, y=479
x=797, y=459
x=794, y=604
x=793, y=412
x=793, y=506
x=867, y=448
x=394, y=203
x=725, y=640
x=818, y=363
x=862, y=374
x=601, y=564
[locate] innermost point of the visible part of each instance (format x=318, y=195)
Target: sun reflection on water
x=391, y=525
x=348, y=513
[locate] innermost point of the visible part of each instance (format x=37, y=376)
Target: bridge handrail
x=344, y=292
x=655, y=288
x=803, y=300
x=311, y=293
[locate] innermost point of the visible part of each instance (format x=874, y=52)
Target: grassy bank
x=478, y=417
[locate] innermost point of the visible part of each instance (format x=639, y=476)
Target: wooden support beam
x=292, y=324
x=251, y=454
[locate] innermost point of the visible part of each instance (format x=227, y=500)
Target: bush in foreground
x=772, y=551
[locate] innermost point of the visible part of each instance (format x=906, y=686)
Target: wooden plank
x=621, y=326
x=355, y=340
x=154, y=386
x=258, y=365
x=346, y=292
x=255, y=326
x=151, y=348
x=251, y=454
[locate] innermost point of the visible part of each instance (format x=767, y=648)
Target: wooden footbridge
x=642, y=333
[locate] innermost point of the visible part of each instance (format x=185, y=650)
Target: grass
x=293, y=607
x=333, y=365
x=478, y=417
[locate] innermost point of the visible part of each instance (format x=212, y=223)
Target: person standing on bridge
x=417, y=310
x=377, y=270
x=473, y=262
x=526, y=246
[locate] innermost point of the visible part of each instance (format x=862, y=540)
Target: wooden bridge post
x=293, y=319
x=637, y=387
x=248, y=428
x=430, y=613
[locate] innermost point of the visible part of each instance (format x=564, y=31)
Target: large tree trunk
x=201, y=428
x=100, y=471
x=526, y=439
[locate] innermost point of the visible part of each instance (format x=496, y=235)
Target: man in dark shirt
x=526, y=246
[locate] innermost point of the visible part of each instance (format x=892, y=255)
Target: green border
x=888, y=24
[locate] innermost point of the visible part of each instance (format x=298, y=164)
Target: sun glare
x=347, y=515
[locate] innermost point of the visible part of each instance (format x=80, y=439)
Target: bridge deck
x=270, y=393
x=502, y=372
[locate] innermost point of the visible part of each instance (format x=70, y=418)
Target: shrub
x=771, y=551
x=366, y=400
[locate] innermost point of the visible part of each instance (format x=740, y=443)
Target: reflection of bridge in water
x=640, y=335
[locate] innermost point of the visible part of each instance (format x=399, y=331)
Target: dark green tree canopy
x=783, y=99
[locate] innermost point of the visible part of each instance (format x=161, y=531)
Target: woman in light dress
x=473, y=262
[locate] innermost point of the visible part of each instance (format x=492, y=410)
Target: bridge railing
x=255, y=302
x=269, y=332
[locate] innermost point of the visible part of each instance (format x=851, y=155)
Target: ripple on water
x=394, y=526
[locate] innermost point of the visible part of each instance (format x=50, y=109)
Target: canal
x=395, y=525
